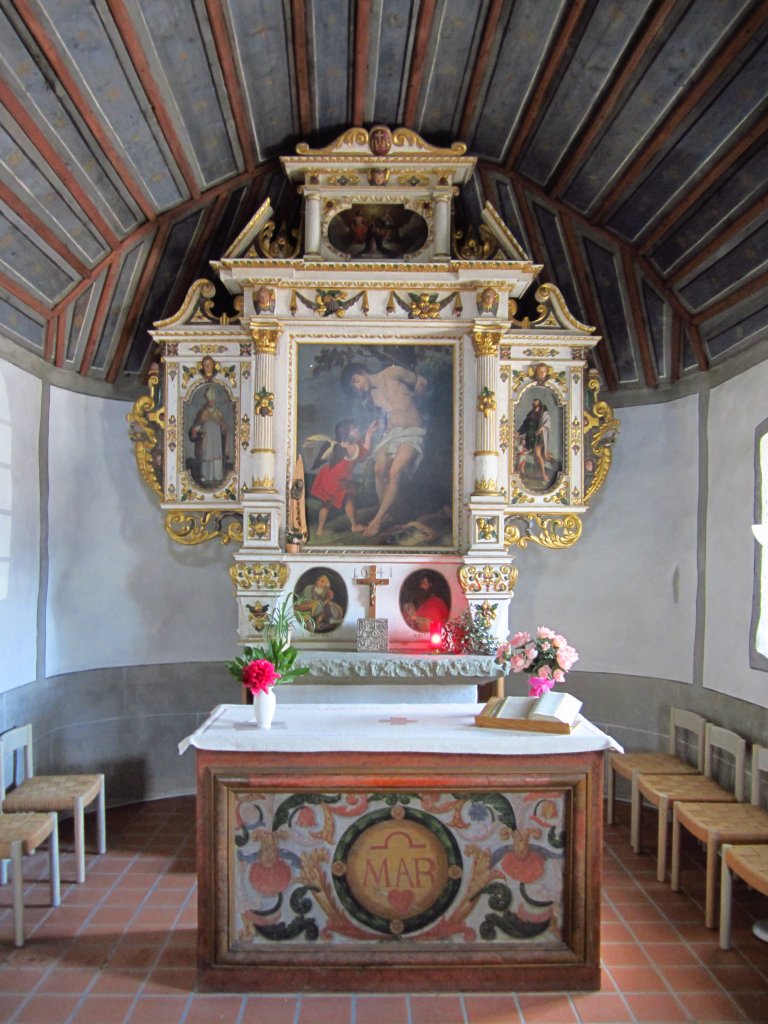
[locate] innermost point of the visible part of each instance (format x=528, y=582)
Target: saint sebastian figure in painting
x=209, y=433
x=401, y=448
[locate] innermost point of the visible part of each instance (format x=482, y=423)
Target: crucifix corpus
x=371, y=580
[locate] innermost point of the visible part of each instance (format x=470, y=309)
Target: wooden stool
x=21, y=834
x=750, y=863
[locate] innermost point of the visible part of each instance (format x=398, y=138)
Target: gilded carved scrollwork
x=601, y=429
x=266, y=575
x=554, y=531
x=491, y=579
x=191, y=528
x=146, y=427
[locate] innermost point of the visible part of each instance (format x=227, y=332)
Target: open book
x=552, y=712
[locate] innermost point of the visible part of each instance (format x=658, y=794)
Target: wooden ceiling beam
x=360, y=75
x=736, y=227
x=24, y=297
x=424, y=25
x=42, y=230
x=232, y=83
x=151, y=263
x=58, y=167
x=732, y=298
x=541, y=93
x=211, y=219
x=85, y=109
x=741, y=37
x=590, y=305
x=713, y=176
x=577, y=152
x=675, y=349
x=480, y=69
x=60, y=352
x=100, y=316
x=301, y=64
x=136, y=52
x=638, y=318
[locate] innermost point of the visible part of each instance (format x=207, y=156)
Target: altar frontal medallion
x=397, y=870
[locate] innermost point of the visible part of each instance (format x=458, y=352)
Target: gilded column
x=263, y=450
x=312, y=233
x=485, y=342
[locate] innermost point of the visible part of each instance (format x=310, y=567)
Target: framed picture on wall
x=375, y=427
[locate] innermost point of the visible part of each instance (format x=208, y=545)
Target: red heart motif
x=401, y=901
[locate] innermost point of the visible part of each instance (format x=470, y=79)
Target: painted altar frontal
x=471, y=869
x=374, y=403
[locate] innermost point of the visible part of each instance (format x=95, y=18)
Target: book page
x=515, y=707
x=556, y=707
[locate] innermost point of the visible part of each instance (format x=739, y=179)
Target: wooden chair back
x=759, y=764
x=11, y=742
x=720, y=740
x=681, y=720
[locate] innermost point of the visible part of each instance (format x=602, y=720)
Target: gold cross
x=371, y=581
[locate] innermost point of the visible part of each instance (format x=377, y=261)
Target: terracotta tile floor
x=121, y=948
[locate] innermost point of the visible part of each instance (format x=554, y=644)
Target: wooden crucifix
x=371, y=580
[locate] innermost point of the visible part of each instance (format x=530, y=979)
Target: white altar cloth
x=388, y=728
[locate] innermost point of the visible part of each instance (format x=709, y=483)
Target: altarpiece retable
x=372, y=418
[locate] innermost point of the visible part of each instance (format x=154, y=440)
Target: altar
x=396, y=847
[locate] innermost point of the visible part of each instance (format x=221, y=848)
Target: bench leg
x=726, y=892
x=17, y=858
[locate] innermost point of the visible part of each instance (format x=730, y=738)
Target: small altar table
x=396, y=847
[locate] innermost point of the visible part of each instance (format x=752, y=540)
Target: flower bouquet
x=260, y=668
x=547, y=656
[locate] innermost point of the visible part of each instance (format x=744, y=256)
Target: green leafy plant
x=470, y=634
x=276, y=646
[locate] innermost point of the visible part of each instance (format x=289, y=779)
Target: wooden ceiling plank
x=540, y=94
x=739, y=39
x=42, y=230
x=59, y=168
x=732, y=298
x=49, y=342
x=153, y=93
x=470, y=111
x=301, y=64
x=85, y=109
x=638, y=318
x=61, y=340
x=100, y=316
x=24, y=297
x=606, y=108
x=212, y=217
x=736, y=227
x=139, y=298
x=713, y=176
x=676, y=349
x=362, y=43
x=692, y=330
x=424, y=25
x=233, y=85
x=577, y=263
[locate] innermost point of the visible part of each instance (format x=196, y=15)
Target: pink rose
x=517, y=662
x=520, y=639
x=538, y=686
x=260, y=675
x=558, y=675
x=542, y=631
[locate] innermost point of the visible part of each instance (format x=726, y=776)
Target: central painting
x=375, y=431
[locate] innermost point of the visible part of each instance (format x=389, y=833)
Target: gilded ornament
x=245, y=431
x=422, y=305
x=171, y=434
x=504, y=373
x=258, y=615
x=282, y=246
x=412, y=180
x=497, y=579
x=486, y=402
x=487, y=528
x=187, y=491
x=485, y=342
x=263, y=483
x=198, y=527
x=600, y=423
x=555, y=531
x=264, y=402
x=473, y=248
x=487, y=612
x=486, y=486
x=265, y=339
x=197, y=292
x=330, y=301
x=228, y=493
x=266, y=576
x=259, y=526
x=505, y=433
x=549, y=292
x=342, y=179
x=145, y=421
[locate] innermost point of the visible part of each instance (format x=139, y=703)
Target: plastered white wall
x=120, y=591
x=735, y=410
x=625, y=594
x=20, y=396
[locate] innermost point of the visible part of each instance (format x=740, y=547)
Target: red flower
x=259, y=675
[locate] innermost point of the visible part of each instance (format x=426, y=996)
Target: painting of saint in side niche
x=375, y=429
x=425, y=598
x=377, y=231
x=538, y=441
x=321, y=595
x=209, y=430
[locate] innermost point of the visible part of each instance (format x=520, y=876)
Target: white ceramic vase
x=264, y=704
